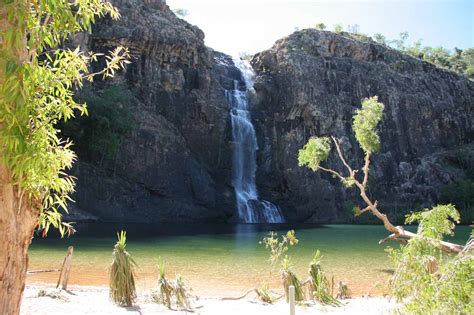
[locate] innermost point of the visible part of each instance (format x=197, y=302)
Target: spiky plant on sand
x=343, y=291
x=290, y=279
x=165, y=288
x=318, y=283
x=264, y=294
x=170, y=292
x=122, y=274
x=181, y=293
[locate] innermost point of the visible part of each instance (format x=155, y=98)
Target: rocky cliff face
x=175, y=166
x=311, y=82
x=176, y=163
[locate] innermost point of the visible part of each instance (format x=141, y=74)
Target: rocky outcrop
x=175, y=166
x=176, y=163
x=311, y=82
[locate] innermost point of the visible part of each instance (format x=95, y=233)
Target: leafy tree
x=401, y=41
x=381, y=39
x=430, y=282
x=36, y=82
x=365, y=123
x=459, y=61
x=451, y=288
x=320, y=26
x=338, y=28
x=355, y=28
x=461, y=193
x=468, y=57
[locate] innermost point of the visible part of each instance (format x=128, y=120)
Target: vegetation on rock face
x=99, y=134
x=37, y=78
x=458, y=60
x=122, y=274
x=460, y=191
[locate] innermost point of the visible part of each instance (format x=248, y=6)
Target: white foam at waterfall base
x=244, y=164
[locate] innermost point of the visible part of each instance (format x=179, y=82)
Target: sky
x=250, y=26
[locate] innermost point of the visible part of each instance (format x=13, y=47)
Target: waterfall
x=250, y=208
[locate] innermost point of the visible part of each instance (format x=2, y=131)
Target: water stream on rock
x=250, y=208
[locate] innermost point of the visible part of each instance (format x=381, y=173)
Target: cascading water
x=249, y=207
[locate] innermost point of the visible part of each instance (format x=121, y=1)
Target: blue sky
x=234, y=26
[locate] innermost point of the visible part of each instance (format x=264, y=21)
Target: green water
x=224, y=259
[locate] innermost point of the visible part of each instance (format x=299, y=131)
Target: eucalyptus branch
x=365, y=123
x=366, y=169
x=117, y=60
x=341, y=156
x=328, y=170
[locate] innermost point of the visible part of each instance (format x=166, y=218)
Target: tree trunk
x=17, y=223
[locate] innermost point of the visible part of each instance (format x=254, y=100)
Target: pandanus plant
x=172, y=291
x=318, y=283
x=122, y=274
x=290, y=279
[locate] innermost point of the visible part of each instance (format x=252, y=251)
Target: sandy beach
x=95, y=300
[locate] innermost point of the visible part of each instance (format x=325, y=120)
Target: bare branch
x=367, y=208
x=393, y=237
x=341, y=156
x=366, y=169
x=328, y=170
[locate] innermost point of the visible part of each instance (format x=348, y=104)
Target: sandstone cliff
x=176, y=163
x=311, y=82
x=175, y=166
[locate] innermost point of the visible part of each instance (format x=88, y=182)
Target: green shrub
x=460, y=193
x=425, y=279
x=319, y=284
x=290, y=279
x=264, y=294
x=122, y=274
x=99, y=135
x=170, y=292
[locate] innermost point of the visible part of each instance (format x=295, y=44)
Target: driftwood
x=398, y=233
x=65, y=270
x=31, y=272
x=279, y=296
x=239, y=297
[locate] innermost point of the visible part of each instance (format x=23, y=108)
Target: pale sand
x=95, y=300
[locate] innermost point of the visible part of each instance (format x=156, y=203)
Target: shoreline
x=95, y=300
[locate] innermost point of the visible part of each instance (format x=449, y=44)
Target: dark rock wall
x=311, y=82
x=175, y=166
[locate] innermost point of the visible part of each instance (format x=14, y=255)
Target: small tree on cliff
x=36, y=82
x=365, y=124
